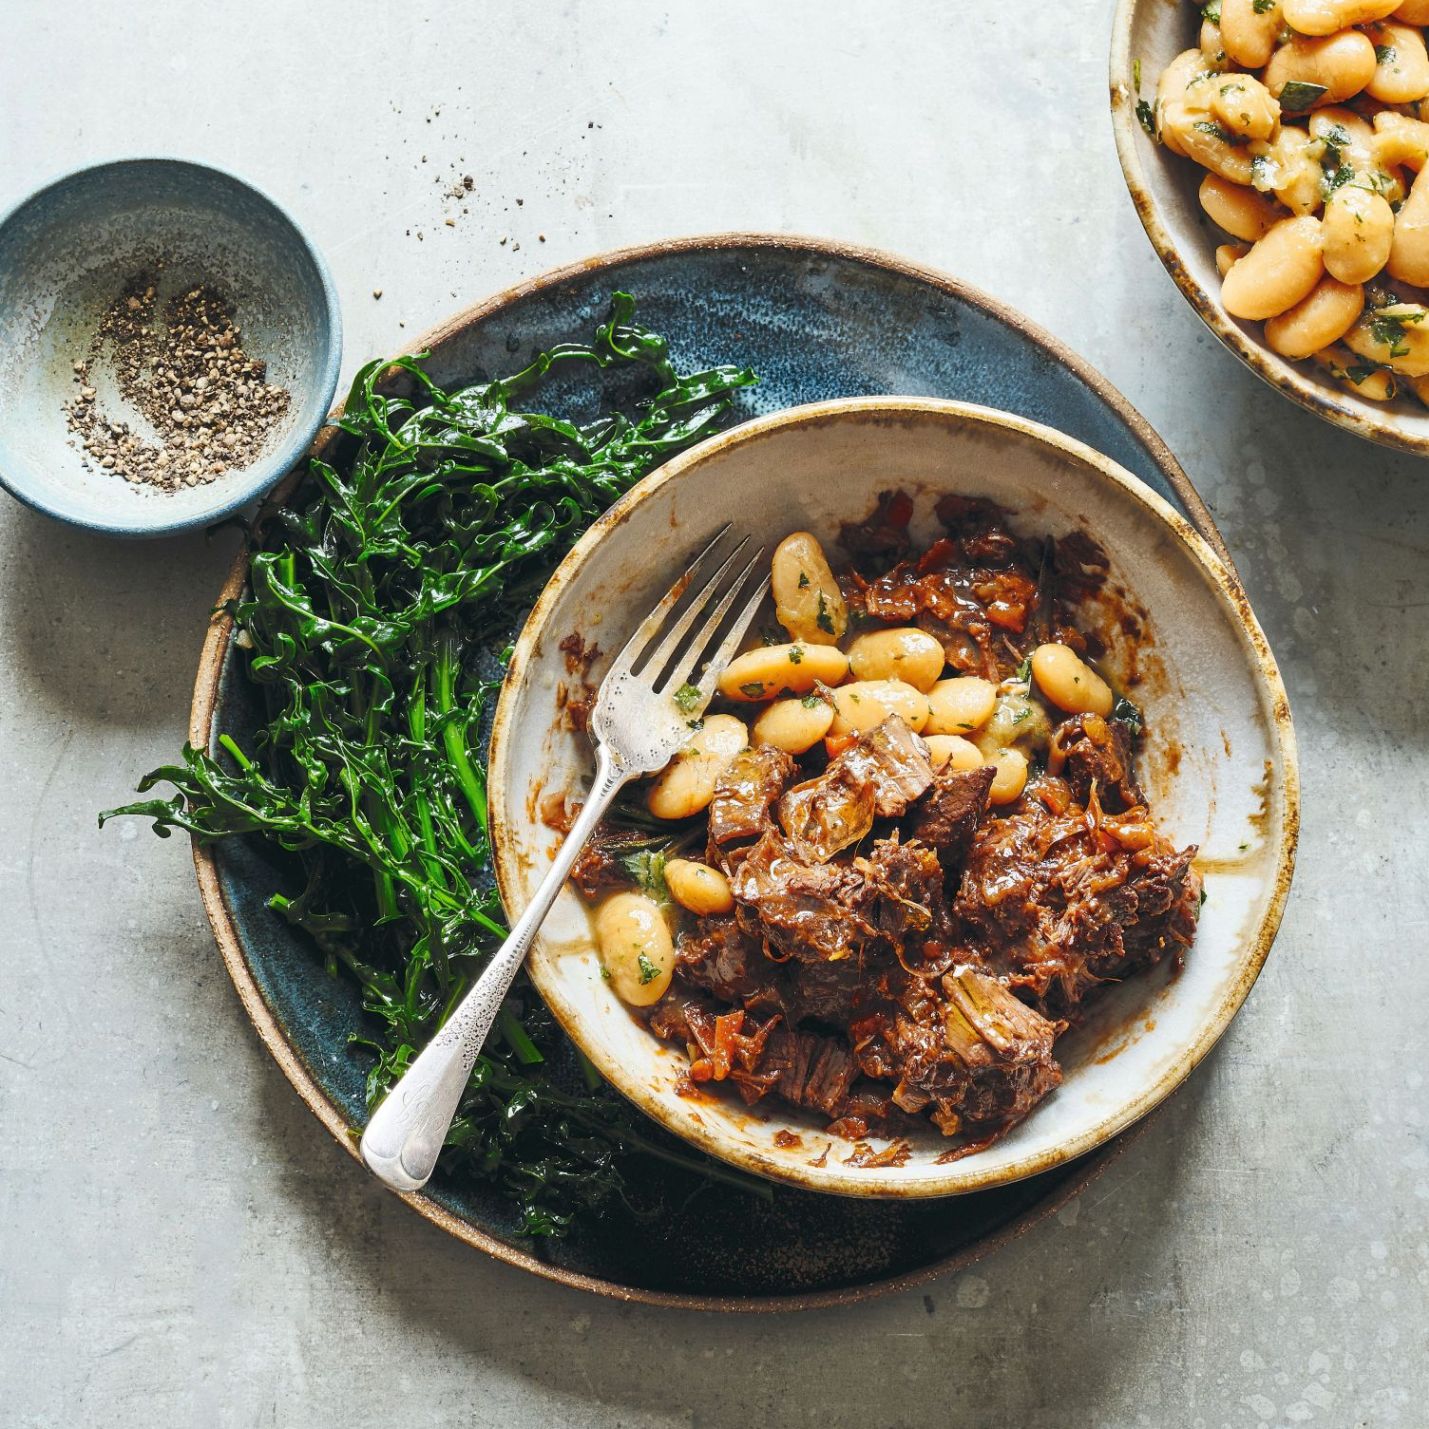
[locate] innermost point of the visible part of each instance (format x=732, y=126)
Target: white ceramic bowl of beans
x=1246, y=309
x=1219, y=763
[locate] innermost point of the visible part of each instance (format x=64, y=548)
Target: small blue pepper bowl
x=68, y=251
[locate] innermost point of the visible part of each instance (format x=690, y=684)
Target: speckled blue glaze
x=813, y=325
x=67, y=251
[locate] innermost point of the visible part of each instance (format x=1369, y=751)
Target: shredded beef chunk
x=1056, y=905
x=949, y=814
x=801, y=910
x=823, y=816
x=902, y=900
x=810, y=1070
x=1098, y=755
x=724, y=959
x=893, y=761
x=747, y=792
x=877, y=778
x=963, y=1049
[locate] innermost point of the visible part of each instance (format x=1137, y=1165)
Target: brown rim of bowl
x=1279, y=373
x=1108, y=474
x=220, y=917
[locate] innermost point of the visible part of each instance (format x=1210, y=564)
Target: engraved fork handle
x=407, y=1130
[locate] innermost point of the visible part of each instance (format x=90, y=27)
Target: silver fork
x=638, y=727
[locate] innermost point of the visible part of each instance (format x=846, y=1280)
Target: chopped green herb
x=1212, y=12
x=648, y=971
x=647, y=869
x=1021, y=715
x=823, y=619
x=1146, y=115
x=1218, y=131
x=754, y=689
x=803, y=580
x=1024, y=672
x=1262, y=7
x=811, y=702
x=796, y=655
x=1136, y=75
x=1388, y=329
x=1124, y=712
x=1338, y=178
x=1299, y=95
x=1202, y=902
x=687, y=697
x=604, y=973
x=1385, y=54
x=1359, y=372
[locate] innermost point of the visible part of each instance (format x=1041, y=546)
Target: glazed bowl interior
x=1219, y=765
x=68, y=251
x=1147, y=35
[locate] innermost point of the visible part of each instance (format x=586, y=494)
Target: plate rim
x=220, y=915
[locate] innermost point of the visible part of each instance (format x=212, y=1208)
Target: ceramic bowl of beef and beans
x=982, y=840
x=1275, y=152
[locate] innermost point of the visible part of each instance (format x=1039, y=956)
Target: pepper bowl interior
x=67, y=252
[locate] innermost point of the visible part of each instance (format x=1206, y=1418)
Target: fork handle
x=408, y=1129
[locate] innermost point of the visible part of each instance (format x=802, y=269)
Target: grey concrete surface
x=180, y=1244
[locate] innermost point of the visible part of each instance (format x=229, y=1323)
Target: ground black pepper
x=207, y=402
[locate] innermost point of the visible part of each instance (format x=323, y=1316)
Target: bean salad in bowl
x=1310, y=122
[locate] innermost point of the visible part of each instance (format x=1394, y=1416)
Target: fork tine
x=731, y=642
x=648, y=628
x=670, y=645
x=689, y=657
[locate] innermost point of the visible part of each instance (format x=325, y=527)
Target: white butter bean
x=636, y=949
x=1242, y=212
x=903, y=653
x=1280, y=270
x=1069, y=682
x=794, y=725
x=1317, y=321
x=960, y=706
x=1010, y=776
x=807, y=599
x=772, y=670
x=687, y=783
x=952, y=749
x=698, y=887
x=865, y=704
x=1357, y=229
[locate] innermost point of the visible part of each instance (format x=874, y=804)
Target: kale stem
x=592, y=1078
x=230, y=745
x=527, y=1053
x=417, y=727
x=454, y=732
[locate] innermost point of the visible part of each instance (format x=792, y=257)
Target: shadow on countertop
x=1027, y=1330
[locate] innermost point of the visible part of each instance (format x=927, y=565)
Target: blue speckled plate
x=815, y=320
